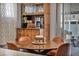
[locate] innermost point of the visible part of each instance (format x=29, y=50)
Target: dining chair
x=24, y=40
x=58, y=40
x=12, y=46
x=62, y=50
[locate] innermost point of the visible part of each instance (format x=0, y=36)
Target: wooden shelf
x=33, y=14
x=32, y=3
x=29, y=28
x=38, y=43
x=37, y=3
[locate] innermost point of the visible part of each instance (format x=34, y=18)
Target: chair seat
x=52, y=52
x=24, y=40
x=12, y=46
x=58, y=40
x=62, y=50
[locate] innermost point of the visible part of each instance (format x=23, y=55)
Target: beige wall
x=52, y=20
x=18, y=15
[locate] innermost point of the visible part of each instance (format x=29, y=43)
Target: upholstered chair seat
x=52, y=52
x=12, y=46
x=58, y=40
x=62, y=50
x=24, y=40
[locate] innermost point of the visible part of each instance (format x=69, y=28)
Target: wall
x=74, y=6
x=67, y=7
x=56, y=20
x=18, y=15
x=52, y=20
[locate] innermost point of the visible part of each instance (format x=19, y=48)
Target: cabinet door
x=23, y=32
x=34, y=33
x=28, y=33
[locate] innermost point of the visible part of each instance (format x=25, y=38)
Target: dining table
x=39, y=48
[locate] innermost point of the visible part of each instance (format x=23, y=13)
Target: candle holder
x=38, y=40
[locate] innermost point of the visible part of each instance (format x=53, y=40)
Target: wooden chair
x=12, y=46
x=62, y=50
x=24, y=40
x=58, y=40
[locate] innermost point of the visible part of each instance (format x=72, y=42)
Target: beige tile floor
x=7, y=52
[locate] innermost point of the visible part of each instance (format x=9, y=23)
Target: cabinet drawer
x=28, y=32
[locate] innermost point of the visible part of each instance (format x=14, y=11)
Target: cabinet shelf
x=37, y=3
x=29, y=28
x=33, y=14
x=32, y=4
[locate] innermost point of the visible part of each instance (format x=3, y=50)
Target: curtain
x=8, y=19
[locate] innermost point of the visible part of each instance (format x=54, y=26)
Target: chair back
x=12, y=46
x=58, y=40
x=24, y=40
x=63, y=50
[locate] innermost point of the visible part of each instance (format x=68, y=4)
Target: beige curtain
x=8, y=19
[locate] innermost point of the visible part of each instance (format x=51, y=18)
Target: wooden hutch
x=35, y=17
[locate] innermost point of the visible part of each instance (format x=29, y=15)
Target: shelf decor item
x=39, y=22
x=24, y=22
x=24, y=25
